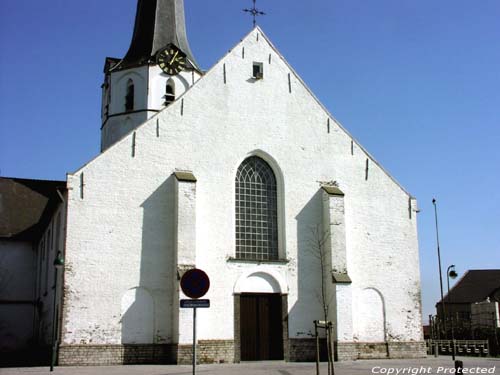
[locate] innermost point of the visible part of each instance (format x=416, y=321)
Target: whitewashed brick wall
x=121, y=235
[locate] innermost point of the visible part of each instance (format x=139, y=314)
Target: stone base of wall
x=304, y=350
x=222, y=351
x=95, y=355
x=207, y=351
x=346, y=351
x=368, y=350
x=412, y=349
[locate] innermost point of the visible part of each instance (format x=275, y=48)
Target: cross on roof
x=254, y=12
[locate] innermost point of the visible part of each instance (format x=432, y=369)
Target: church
x=239, y=171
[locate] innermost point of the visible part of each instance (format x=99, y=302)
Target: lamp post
x=450, y=273
x=439, y=262
x=58, y=264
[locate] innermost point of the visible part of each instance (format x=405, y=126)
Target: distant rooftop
x=474, y=286
x=26, y=206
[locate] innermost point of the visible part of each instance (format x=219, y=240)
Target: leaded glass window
x=256, y=211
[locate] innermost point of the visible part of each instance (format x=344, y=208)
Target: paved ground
x=441, y=365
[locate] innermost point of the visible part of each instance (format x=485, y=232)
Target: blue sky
x=416, y=82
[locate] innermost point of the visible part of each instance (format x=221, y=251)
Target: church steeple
x=157, y=24
x=157, y=69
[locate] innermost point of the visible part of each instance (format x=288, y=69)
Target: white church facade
x=242, y=172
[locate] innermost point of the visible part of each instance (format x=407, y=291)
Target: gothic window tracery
x=256, y=211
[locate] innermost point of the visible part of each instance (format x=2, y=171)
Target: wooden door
x=261, y=327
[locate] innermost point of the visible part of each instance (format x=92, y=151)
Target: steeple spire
x=157, y=23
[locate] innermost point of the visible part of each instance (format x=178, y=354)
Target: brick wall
x=304, y=350
x=371, y=350
x=346, y=351
x=414, y=349
x=91, y=355
x=207, y=351
x=223, y=351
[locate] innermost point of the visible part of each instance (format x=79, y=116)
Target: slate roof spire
x=157, y=23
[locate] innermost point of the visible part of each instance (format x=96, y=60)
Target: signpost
x=195, y=284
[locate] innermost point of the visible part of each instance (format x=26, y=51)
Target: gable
x=227, y=102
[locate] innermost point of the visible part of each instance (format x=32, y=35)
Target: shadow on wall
x=147, y=307
x=309, y=304
x=137, y=308
x=369, y=306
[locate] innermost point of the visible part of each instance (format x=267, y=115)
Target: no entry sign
x=195, y=283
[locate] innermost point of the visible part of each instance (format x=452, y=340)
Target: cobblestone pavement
x=441, y=365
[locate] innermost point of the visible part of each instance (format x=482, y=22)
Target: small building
x=485, y=315
x=32, y=232
x=471, y=304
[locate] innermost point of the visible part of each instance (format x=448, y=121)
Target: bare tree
x=318, y=250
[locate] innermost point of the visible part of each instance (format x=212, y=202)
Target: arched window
x=129, y=97
x=170, y=92
x=256, y=211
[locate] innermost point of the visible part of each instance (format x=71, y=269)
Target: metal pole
x=54, y=321
x=327, y=331
x=330, y=347
x=452, y=333
x=317, y=346
x=194, y=341
x=431, y=327
x=495, y=329
x=439, y=261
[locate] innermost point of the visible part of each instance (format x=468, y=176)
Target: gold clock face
x=171, y=60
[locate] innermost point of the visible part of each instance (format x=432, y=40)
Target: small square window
x=258, y=70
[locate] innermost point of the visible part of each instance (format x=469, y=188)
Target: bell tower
x=158, y=67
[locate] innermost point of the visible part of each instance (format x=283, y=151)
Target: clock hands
x=173, y=58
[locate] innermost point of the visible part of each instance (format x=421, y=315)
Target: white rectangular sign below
x=195, y=303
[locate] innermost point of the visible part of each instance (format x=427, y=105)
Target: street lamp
x=439, y=262
x=450, y=273
x=58, y=264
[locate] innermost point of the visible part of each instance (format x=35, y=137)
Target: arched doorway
x=261, y=310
